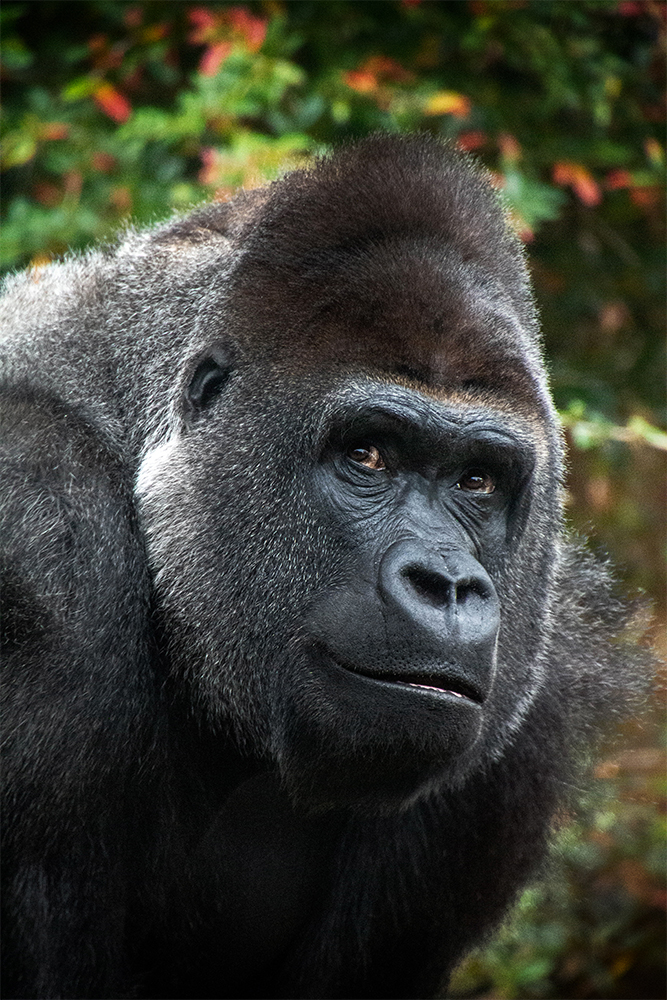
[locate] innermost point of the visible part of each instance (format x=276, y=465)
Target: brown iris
x=476, y=481
x=367, y=455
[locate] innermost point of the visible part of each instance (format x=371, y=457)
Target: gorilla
x=299, y=659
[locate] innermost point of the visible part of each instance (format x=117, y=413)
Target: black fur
x=220, y=777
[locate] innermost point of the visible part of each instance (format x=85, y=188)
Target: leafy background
x=116, y=111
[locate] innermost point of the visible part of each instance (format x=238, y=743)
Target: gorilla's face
x=420, y=499
x=339, y=586
x=350, y=562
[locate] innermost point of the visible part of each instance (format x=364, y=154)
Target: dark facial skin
x=421, y=494
x=423, y=501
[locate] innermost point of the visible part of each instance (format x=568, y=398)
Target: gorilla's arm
x=74, y=607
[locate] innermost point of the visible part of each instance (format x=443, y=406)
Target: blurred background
x=115, y=111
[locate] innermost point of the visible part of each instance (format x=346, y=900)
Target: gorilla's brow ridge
x=408, y=409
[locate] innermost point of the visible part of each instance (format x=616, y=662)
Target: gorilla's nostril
x=440, y=589
x=430, y=586
x=463, y=589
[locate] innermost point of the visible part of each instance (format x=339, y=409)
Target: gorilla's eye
x=476, y=481
x=367, y=455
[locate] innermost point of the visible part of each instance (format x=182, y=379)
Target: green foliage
x=117, y=110
x=589, y=430
x=595, y=927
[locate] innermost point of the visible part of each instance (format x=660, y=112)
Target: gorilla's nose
x=442, y=598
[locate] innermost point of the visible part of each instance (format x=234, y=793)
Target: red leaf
x=112, y=103
x=213, y=58
x=253, y=29
x=580, y=180
x=201, y=17
x=616, y=179
x=471, y=140
x=361, y=81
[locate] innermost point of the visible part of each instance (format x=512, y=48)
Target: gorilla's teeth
x=430, y=687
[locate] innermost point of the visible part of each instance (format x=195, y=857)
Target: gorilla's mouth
x=440, y=686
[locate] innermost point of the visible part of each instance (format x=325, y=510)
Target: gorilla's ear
x=209, y=378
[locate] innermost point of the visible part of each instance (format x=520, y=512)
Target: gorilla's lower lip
x=454, y=689
x=445, y=686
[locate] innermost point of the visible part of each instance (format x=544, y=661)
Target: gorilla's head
x=353, y=519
